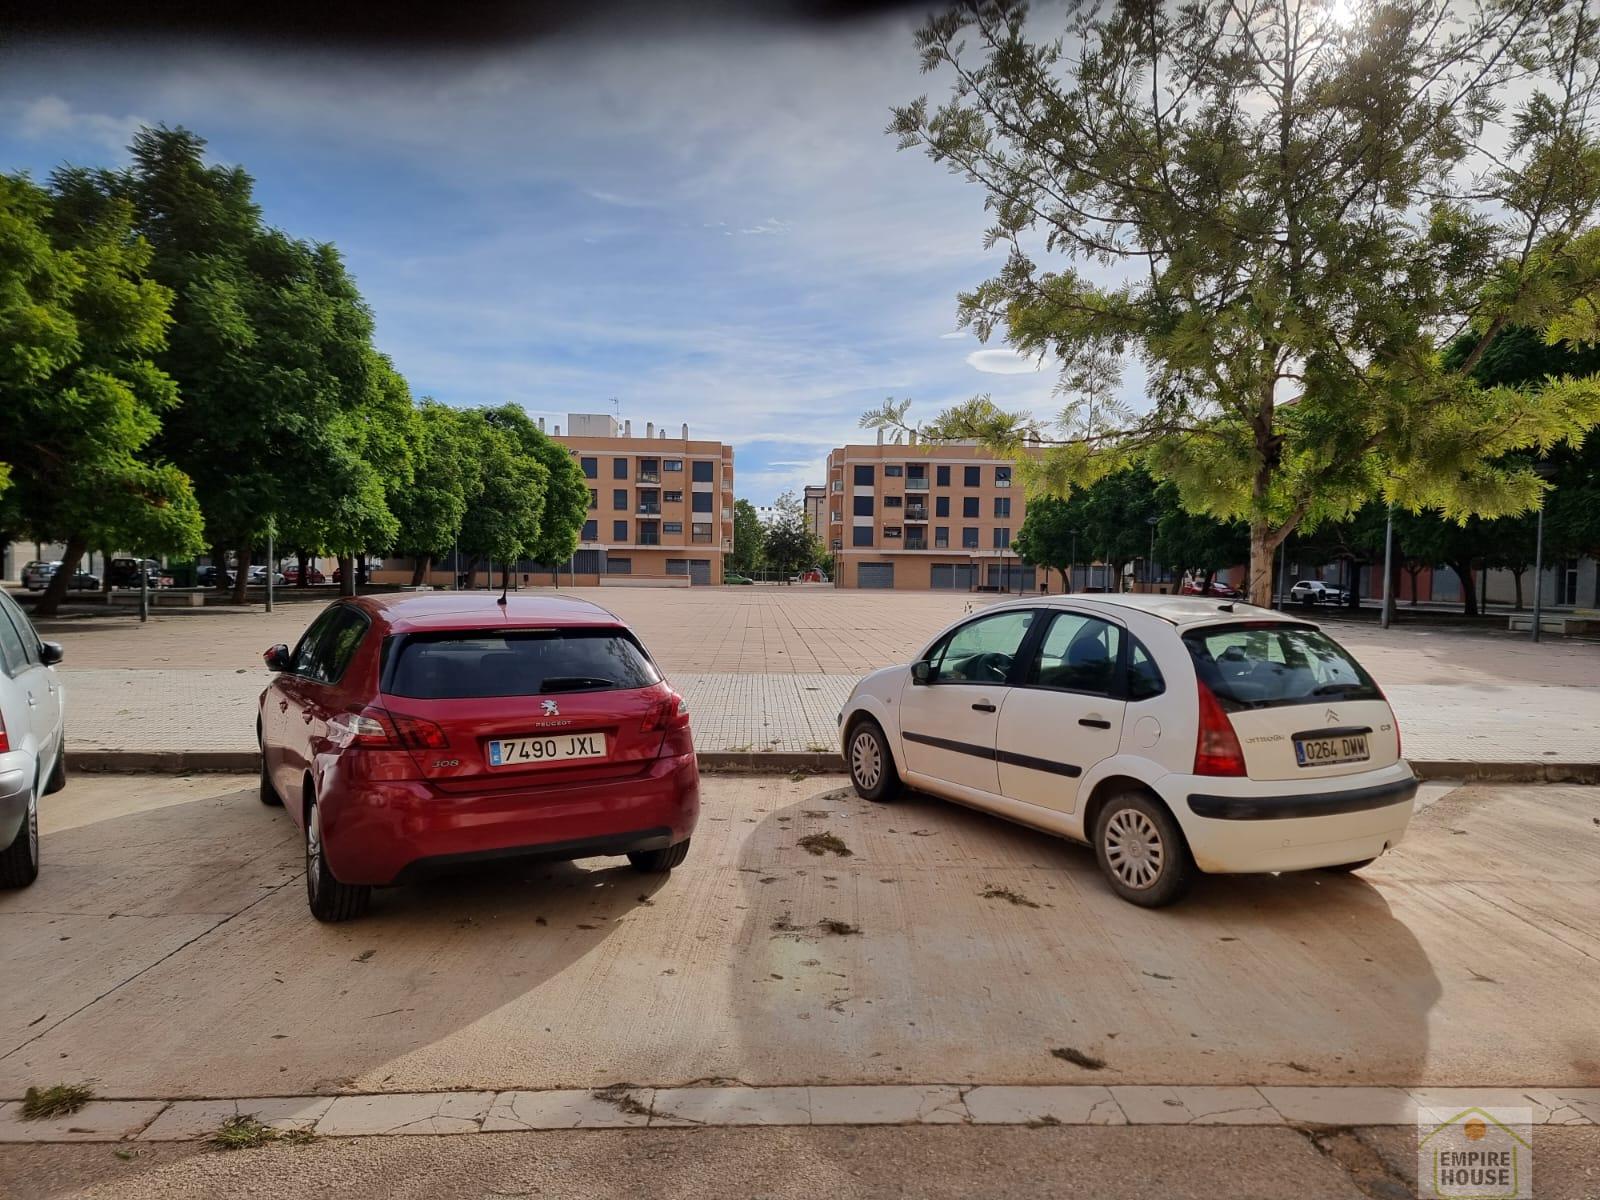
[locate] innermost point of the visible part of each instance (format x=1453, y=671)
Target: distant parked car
x=258, y=577
x=207, y=577
x=83, y=581
x=292, y=575
x=32, y=740
x=36, y=575
x=412, y=734
x=1217, y=588
x=361, y=574
x=1314, y=591
x=737, y=579
x=124, y=572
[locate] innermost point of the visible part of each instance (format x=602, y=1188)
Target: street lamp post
x=271, y=571
x=1388, y=568
x=1543, y=470
x=1150, y=563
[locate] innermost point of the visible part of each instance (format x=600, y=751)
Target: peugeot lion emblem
x=552, y=709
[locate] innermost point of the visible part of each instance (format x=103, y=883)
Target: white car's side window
x=1078, y=654
x=981, y=651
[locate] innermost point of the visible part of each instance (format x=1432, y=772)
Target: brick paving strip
x=464, y=1112
x=204, y=719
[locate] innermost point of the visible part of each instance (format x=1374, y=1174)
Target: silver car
x=32, y=740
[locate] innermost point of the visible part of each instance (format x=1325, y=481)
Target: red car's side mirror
x=277, y=658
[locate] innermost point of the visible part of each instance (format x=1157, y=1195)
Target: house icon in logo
x=1473, y=1155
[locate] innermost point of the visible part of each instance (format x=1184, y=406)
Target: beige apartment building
x=925, y=516
x=816, y=510
x=660, y=510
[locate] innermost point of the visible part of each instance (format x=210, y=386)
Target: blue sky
x=709, y=226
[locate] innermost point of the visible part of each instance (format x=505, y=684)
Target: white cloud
x=52, y=118
x=955, y=335
x=1003, y=362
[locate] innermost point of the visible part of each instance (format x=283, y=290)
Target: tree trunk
x=1516, y=576
x=302, y=562
x=241, y=574
x=1414, y=572
x=347, y=575
x=420, y=566
x=219, y=562
x=105, y=572
x=56, y=590
x=361, y=571
x=1259, y=592
x=1354, y=602
x=1469, y=598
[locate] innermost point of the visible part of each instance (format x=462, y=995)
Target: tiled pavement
x=467, y=1112
x=212, y=710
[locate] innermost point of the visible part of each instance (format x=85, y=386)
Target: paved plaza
x=765, y=670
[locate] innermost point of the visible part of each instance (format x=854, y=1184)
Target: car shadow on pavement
x=190, y=967
x=972, y=950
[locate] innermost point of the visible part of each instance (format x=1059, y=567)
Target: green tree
x=80, y=322
x=271, y=351
x=505, y=518
x=564, y=498
x=787, y=545
x=748, y=537
x=1195, y=543
x=1049, y=535
x=446, y=480
x=1269, y=201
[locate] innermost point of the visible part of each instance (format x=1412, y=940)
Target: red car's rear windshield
x=1260, y=666
x=463, y=664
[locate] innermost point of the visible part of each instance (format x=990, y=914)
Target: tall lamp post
x=1543, y=470
x=1150, y=563
x=1388, y=569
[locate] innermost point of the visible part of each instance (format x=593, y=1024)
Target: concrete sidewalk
x=176, y=712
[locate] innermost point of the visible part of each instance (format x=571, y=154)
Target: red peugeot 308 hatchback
x=409, y=734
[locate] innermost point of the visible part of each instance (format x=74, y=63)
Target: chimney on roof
x=627, y=427
x=880, y=437
x=558, y=431
x=649, y=429
x=913, y=437
x=541, y=424
x=686, y=431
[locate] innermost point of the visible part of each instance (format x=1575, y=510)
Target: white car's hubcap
x=33, y=828
x=314, y=849
x=1134, y=848
x=865, y=760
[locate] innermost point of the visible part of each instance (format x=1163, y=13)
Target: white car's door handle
x=983, y=706
x=32, y=703
x=1094, y=721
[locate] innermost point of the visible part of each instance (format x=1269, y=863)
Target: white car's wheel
x=1141, y=851
x=872, y=771
x=19, y=862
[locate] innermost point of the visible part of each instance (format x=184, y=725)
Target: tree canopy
x=1282, y=213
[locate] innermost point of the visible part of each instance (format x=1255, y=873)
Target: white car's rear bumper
x=1243, y=825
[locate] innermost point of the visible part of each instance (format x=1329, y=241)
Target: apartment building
x=925, y=516
x=660, y=506
x=816, y=510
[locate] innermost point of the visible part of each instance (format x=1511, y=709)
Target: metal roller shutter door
x=875, y=575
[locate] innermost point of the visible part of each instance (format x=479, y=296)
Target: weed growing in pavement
x=1079, y=1059
x=40, y=1104
x=838, y=928
x=618, y=1096
x=1006, y=894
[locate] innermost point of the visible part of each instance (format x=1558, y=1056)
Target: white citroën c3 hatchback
x=1173, y=734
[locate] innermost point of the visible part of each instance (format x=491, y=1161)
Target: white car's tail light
x=1216, y=749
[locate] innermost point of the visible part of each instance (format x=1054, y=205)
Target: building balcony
x=837, y=544
x=916, y=484
x=837, y=485
x=916, y=543
x=836, y=518
x=649, y=477
x=649, y=510
x=916, y=512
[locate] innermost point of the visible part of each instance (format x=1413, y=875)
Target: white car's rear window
x=1259, y=666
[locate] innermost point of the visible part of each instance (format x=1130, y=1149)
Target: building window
x=861, y=535
x=941, y=506
x=969, y=506
x=1002, y=537
x=649, y=533
x=861, y=506
x=619, y=531
x=702, y=470
x=891, y=531
x=864, y=476
x=700, y=531
x=892, y=501
x=619, y=468
x=594, y=498
x=702, y=502
x=893, y=471
x=672, y=527
x=942, y=476
x=591, y=531
x=969, y=538
x=941, y=536
x=649, y=470
x=672, y=497
x=969, y=476
x=672, y=464
x=619, y=566
x=1002, y=477
x=649, y=502
x=591, y=467
x=1002, y=506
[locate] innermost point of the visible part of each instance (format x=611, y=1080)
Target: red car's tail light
x=5, y=738
x=1216, y=750
x=671, y=713
x=369, y=727
x=416, y=734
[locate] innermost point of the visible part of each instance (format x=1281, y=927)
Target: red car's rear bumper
x=383, y=832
